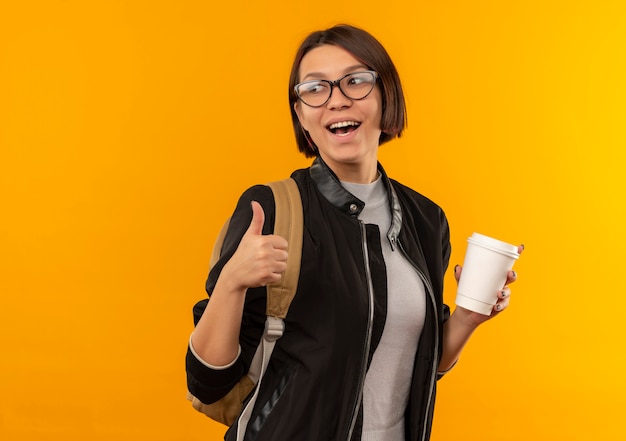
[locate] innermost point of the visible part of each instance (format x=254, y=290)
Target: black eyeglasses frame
x=337, y=84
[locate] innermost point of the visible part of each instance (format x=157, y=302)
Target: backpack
x=288, y=223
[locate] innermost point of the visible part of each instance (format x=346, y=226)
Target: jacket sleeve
x=446, y=251
x=446, y=248
x=209, y=384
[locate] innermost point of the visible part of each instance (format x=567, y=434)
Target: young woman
x=367, y=336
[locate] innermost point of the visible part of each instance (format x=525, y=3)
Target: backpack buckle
x=274, y=328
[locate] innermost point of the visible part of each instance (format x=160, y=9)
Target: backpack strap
x=217, y=245
x=288, y=223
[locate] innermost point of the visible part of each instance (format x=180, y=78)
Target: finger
x=278, y=243
x=457, y=272
x=501, y=304
x=258, y=219
x=504, y=293
x=280, y=267
x=511, y=277
x=281, y=255
x=275, y=273
x=520, y=248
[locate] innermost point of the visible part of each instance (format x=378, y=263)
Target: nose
x=337, y=99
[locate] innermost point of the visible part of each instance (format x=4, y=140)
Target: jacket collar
x=328, y=184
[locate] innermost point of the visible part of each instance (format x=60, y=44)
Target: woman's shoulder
x=258, y=192
x=263, y=194
x=408, y=193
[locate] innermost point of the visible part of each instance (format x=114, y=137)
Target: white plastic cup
x=485, y=268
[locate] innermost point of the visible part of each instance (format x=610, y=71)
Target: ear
x=298, y=109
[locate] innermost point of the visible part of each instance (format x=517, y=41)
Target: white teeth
x=339, y=125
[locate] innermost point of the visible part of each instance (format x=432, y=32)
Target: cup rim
x=494, y=245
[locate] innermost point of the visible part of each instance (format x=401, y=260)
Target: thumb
x=457, y=272
x=258, y=219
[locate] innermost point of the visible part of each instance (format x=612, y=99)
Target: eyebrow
x=346, y=71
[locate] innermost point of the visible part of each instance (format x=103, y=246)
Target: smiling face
x=345, y=131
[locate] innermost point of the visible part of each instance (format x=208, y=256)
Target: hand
x=259, y=259
x=503, y=297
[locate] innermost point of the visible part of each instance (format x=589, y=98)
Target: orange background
x=129, y=128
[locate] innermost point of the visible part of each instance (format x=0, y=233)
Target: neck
x=356, y=173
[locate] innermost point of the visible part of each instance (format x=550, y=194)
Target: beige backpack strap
x=288, y=223
x=217, y=245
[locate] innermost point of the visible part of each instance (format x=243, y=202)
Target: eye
x=356, y=79
x=359, y=79
x=312, y=88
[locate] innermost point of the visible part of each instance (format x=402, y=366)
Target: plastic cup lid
x=494, y=244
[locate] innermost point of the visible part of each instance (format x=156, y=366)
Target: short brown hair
x=370, y=52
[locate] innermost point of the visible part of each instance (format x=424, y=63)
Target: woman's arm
x=458, y=329
x=259, y=260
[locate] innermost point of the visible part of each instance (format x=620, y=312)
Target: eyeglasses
x=356, y=86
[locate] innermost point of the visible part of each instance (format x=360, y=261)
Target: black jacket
x=313, y=386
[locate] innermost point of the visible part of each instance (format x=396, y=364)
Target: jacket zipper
x=431, y=294
x=368, y=338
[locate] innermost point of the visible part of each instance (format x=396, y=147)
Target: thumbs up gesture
x=259, y=259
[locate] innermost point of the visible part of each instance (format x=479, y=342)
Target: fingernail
x=503, y=293
x=456, y=268
x=514, y=275
x=498, y=307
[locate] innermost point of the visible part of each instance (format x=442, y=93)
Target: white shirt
x=388, y=380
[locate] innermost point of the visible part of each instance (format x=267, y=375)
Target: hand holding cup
x=486, y=268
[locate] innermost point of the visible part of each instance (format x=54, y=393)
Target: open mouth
x=343, y=128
